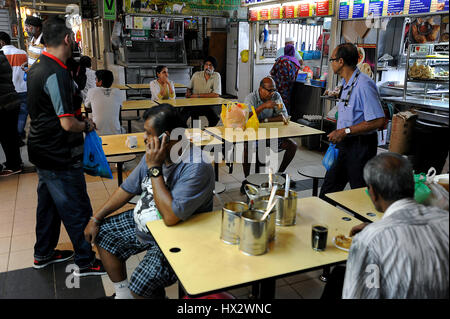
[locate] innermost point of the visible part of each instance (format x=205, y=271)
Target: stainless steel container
x=265, y=190
x=231, y=218
x=261, y=204
x=253, y=233
x=286, y=208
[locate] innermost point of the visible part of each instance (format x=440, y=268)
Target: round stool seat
x=120, y=158
x=313, y=171
x=219, y=188
x=258, y=179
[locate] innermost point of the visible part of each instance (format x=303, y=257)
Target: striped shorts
x=117, y=235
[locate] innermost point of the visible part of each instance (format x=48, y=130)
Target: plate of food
x=342, y=242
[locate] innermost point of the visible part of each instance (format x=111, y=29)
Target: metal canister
x=261, y=204
x=231, y=219
x=253, y=233
x=286, y=208
x=265, y=190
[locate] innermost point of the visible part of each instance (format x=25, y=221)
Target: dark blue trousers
x=354, y=153
x=62, y=197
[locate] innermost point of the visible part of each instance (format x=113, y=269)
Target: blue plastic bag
x=330, y=156
x=94, y=160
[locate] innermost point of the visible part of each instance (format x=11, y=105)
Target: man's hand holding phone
x=156, y=150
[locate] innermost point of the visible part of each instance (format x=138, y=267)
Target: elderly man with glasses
x=269, y=107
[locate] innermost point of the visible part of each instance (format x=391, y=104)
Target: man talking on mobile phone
x=171, y=189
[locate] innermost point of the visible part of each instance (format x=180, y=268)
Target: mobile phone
x=161, y=137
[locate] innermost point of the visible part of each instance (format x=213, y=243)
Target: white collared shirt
x=398, y=205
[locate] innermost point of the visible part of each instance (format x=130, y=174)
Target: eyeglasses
x=333, y=59
x=270, y=91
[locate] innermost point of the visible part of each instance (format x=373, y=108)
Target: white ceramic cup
x=131, y=141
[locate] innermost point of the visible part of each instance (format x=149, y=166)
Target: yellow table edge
x=217, y=131
x=357, y=201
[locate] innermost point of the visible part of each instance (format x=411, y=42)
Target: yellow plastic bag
x=253, y=121
x=234, y=115
x=244, y=56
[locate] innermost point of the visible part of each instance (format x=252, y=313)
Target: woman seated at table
x=162, y=88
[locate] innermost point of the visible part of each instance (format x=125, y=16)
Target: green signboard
x=184, y=7
x=109, y=9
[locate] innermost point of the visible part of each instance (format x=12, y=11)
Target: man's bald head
x=266, y=81
x=391, y=176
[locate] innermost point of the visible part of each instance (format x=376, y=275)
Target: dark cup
x=319, y=237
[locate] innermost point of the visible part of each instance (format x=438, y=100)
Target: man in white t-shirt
x=105, y=104
x=91, y=80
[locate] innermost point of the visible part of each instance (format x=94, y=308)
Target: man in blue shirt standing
x=360, y=116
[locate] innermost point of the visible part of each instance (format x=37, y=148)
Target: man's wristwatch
x=266, y=120
x=154, y=171
x=347, y=130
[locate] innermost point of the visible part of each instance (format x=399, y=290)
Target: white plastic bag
x=439, y=196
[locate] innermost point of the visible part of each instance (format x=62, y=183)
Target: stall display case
x=162, y=43
x=427, y=72
x=149, y=41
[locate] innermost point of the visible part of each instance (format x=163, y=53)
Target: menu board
x=359, y=9
x=395, y=7
x=324, y=8
x=264, y=14
x=304, y=9
x=289, y=12
x=376, y=7
x=419, y=6
x=344, y=9
x=275, y=13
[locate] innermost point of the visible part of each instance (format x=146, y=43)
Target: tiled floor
x=17, y=233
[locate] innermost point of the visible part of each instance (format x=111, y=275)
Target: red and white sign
x=322, y=8
x=264, y=14
x=303, y=10
x=275, y=13
x=289, y=12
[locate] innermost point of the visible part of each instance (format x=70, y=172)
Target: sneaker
x=96, y=269
x=58, y=256
x=7, y=172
